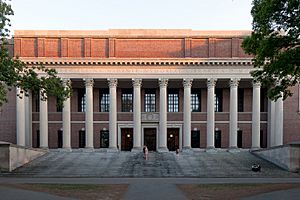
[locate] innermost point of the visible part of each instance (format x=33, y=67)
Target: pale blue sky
x=113, y=14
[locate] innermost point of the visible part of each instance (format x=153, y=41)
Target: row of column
x=162, y=142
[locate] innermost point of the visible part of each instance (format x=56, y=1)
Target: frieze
x=150, y=117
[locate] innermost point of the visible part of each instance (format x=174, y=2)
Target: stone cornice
x=136, y=62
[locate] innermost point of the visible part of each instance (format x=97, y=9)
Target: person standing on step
x=145, y=151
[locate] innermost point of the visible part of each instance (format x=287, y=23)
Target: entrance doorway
x=150, y=138
x=126, y=139
x=218, y=139
x=239, y=138
x=59, y=139
x=195, y=139
x=173, y=139
x=81, y=139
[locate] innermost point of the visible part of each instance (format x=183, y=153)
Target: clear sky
x=125, y=14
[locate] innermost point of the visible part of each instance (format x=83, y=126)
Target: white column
x=271, y=123
x=113, y=114
x=20, y=111
x=210, y=129
x=28, y=120
x=137, y=130
x=66, y=115
x=89, y=122
x=187, y=84
x=43, y=122
x=256, y=116
x=162, y=139
x=233, y=113
x=279, y=122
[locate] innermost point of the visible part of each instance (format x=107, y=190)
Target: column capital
x=256, y=84
x=163, y=82
x=187, y=82
x=89, y=82
x=112, y=82
x=211, y=82
x=136, y=82
x=234, y=82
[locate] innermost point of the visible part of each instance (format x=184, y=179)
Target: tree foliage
x=14, y=72
x=275, y=44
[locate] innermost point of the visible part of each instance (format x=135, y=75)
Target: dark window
x=59, y=139
x=173, y=101
x=58, y=107
x=81, y=139
x=239, y=138
x=218, y=139
x=218, y=100
x=241, y=100
x=37, y=139
x=195, y=101
x=37, y=102
x=195, y=139
x=127, y=101
x=150, y=100
x=81, y=100
x=104, y=101
x=104, y=139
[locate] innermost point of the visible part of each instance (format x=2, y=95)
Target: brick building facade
x=130, y=89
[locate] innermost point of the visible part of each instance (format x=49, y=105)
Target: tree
x=14, y=72
x=275, y=44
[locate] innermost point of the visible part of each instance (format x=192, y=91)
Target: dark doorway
x=218, y=139
x=37, y=139
x=81, y=139
x=104, y=139
x=59, y=139
x=173, y=139
x=263, y=139
x=150, y=138
x=127, y=139
x=195, y=139
x=239, y=138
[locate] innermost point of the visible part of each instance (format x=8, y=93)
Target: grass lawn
x=78, y=191
x=230, y=191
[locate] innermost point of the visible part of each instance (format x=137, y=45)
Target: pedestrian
x=145, y=151
x=177, y=152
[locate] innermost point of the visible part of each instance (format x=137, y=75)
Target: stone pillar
x=162, y=139
x=113, y=114
x=271, y=123
x=233, y=113
x=20, y=112
x=43, y=122
x=187, y=84
x=28, y=120
x=279, y=122
x=210, y=129
x=89, y=122
x=256, y=116
x=137, y=129
x=66, y=115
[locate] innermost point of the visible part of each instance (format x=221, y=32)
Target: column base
x=112, y=150
x=66, y=149
x=137, y=149
x=187, y=150
x=255, y=148
x=162, y=149
x=233, y=150
x=44, y=148
x=88, y=149
x=211, y=150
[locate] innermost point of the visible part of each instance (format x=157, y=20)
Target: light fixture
x=128, y=135
x=195, y=129
x=171, y=135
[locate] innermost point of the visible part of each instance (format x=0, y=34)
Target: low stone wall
x=285, y=156
x=13, y=156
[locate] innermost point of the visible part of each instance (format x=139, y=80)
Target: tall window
x=173, y=101
x=127, y=98
x=195, y=101
x=104, y=100
x=241, y=100
x=218, y=100
x=81, y=100
x=150, y=100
